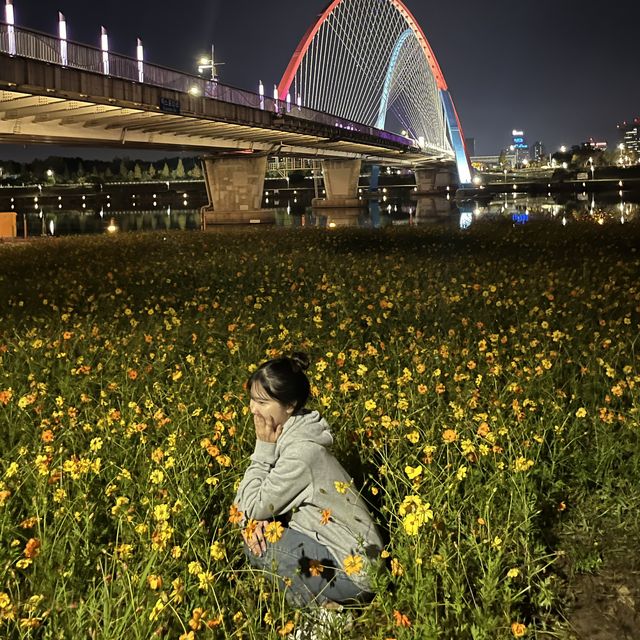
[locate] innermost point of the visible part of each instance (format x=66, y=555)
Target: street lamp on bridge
x=209, y=63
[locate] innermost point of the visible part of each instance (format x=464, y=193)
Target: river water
x=60, y=210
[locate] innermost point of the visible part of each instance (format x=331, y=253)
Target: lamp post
x=209, y=63
x=62, y=32
x=9, y=18
x=104, y=46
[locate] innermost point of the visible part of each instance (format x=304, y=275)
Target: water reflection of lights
x=564, y=221
x=520, y=217
x=52, y=227
x=466, y=219
x=112, y=228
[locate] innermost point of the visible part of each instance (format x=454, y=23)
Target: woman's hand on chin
x=266, y=429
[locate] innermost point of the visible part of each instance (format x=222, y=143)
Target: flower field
x=482, y=387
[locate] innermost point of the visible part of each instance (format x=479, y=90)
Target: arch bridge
x=362, y=70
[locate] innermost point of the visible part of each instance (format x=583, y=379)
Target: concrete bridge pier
x=235, y=184
x=340, y=184
x=435, y=179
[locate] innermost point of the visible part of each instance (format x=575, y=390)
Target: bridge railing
x=26, y=43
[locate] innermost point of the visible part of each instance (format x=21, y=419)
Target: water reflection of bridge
x=71, y=222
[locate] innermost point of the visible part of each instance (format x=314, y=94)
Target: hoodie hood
x=305, y=426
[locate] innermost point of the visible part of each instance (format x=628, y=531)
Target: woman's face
x=262, y=405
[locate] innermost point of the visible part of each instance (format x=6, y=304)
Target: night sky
x=561, y=70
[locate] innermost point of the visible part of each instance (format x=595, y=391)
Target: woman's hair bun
x=299, y=360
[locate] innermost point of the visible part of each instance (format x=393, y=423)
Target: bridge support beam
x=435, y=179
x=340, y=184
x=235, y=185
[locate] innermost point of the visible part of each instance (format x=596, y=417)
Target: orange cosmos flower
x=285, y=630
x=32, y=548
x=325, y=516
x=449, y=435
x=483, y=429
x=518, y=629
x=315, y=568
x=401, y=620
x=250, y=529
x=235, y=515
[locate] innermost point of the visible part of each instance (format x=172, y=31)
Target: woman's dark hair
x=284, y=379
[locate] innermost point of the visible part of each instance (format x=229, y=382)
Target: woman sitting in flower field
x=301, y=514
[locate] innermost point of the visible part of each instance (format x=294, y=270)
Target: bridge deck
x=43, y=102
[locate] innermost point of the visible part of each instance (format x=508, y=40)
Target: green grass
x=492, y=374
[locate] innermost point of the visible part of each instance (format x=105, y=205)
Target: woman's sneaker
x=323, y=624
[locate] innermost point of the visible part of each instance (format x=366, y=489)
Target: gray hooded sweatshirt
x=297, y=477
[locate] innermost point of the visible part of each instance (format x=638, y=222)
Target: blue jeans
x=294, y=559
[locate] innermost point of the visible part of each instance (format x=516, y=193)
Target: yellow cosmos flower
x=217, y=550
x=273, y=531
x=413, y=472
x=410, y=504
x=341, y=487
x=412, y=523
x=161, y=512
x=156, y=477
x=353, y=564
x=154, y=582
x=522, y=464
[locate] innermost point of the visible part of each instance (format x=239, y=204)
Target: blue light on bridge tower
x=462, y=162
x=384, y=101
x=386, y=89
x=455, y=137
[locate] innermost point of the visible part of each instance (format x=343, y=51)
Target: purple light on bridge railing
x=275, y=98
x=104, y=45
x=288, y=102
x=261, y=94
x=140, y=57
x=62, y=31
x=9, y=18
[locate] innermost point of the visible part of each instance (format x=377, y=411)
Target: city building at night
x=537, y=152
x=595, y=145
x=519, y=146
x=630, y=135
